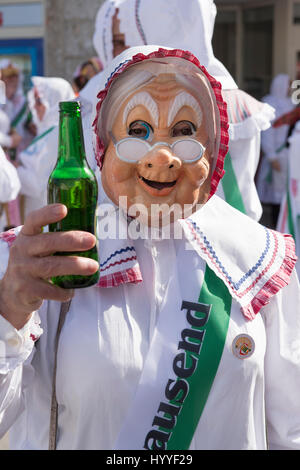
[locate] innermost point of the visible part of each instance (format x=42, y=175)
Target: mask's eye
x=141, y=130
x=183, y=128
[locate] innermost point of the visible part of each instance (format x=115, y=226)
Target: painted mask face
x=159, y=152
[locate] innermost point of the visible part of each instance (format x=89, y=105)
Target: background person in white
x=273, y=173
x=38, y=160
x=9, y=185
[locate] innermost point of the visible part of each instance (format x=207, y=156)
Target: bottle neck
x=71, y=144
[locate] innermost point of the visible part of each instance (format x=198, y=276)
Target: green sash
x=269, y=177
x=230, y=186
x=19, y=116
x=214, y=293
x=39, y=137
x=290, y=216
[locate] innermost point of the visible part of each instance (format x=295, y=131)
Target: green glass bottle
x=73, y=183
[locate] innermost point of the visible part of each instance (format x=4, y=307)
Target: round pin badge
x=243, y=346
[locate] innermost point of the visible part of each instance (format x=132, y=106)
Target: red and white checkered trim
x=8, y=237
x=279, y=280
x=132, y=276
x=216, y=87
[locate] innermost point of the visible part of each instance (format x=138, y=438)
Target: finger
x=51, y=266
x=48, y=243
x=48, y=291
x=36, y=220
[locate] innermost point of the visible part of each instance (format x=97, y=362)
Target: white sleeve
x=16, y=372
x=5, y=140
x=282, y=367
x=268, y=143
x=16, y=351
x=37, y=162
x=9, y=181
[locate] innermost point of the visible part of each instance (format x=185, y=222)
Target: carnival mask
x=159, y=152
x=158, y=135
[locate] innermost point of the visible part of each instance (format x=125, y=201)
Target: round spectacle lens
x=188, y=150
x=132, y=150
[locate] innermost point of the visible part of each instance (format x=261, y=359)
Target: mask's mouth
x=157, y=188
x=158, y=184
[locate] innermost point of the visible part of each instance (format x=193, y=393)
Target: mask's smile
x=157, y=188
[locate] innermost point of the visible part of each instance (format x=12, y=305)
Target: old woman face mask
x=160, y=126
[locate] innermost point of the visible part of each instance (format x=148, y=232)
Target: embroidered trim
x=216, y=87
x=271, y=286
x=118, y=252
x=131, y=275
x=138, y=22
x=279, y=280
x=119, y=262
x=207, y=248
x=238, y=106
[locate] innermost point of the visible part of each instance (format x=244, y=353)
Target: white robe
x=272, y=183
x=36, y=165
x=38, y=159
x=16, y=108
x=5, y=138
x=9, y=184
x=289, y=215
x=253, y=403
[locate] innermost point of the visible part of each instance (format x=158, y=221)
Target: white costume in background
x=9, y=185
x=272, y=183
x=39, y=159
x=289, y=215
x=189, y=26
x=5, y=138
x=17, y=109
x=120, y=338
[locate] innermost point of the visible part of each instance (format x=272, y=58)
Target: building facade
x=47, y=37
x=255, y=39
x=258, y=39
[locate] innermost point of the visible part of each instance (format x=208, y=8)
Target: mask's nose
x=160, y=158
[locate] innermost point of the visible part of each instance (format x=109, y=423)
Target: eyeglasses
x=132, y=150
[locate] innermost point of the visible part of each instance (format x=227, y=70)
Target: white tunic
x=36, y=165
x=253, y=403
x=38, y=159
x=272, y=183
x=9, y=181
x=5, y=138
x=9, y=184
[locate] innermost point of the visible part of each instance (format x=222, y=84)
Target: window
x=296, y=13
x=257, y=50
x=21, y=14
x=224, y=39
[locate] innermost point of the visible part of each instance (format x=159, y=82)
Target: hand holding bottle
x=31, y=264
x=73, y=183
